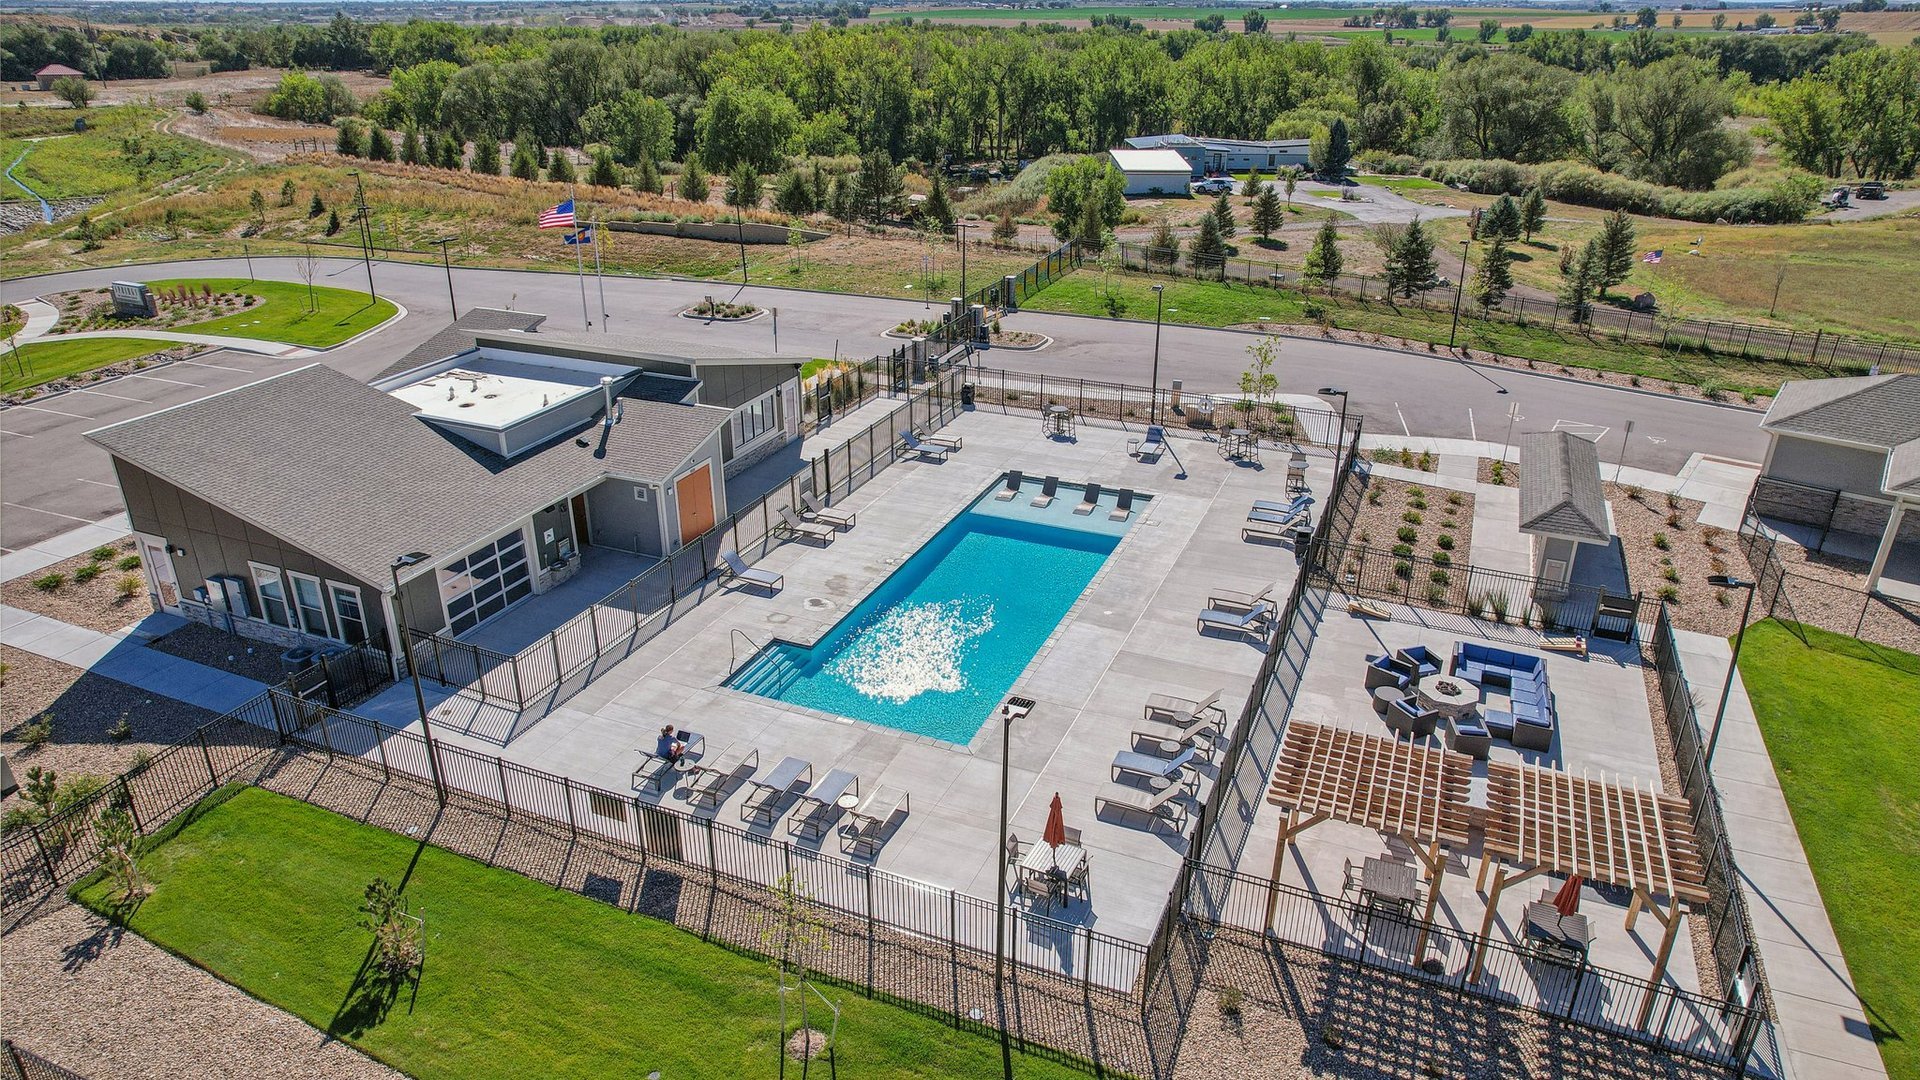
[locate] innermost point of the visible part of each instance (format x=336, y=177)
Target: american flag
x=1652, y=256
x=558, y=217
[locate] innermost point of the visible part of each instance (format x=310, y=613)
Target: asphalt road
x=52, y=480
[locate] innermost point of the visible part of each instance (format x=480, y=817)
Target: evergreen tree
x=939, y=208
x=1578, y=274
x=743, y=188
x=486, y=157
x=1410, y=265
x=1091, y=230
x=379, y=145
x=605, y=172
x=1496, y=275
x=1339, y=150
x=1206, y=251
x=1502, y=220
x=315, y=207
x=351, y=141
x=1223, y=215
x=1323, y=259
x=1253, y=187
x=286, y=192
x=1005, y=229
x=817, y=183
x=1164, y=249
x=525, y=165
x=333, y=222
x=791, y=195
x=560, y=166
x=1266, y=212
x=411, y=152
x=1533, y=212
x=646, y=177
x=1616, y=241
x=840, y=198
x=879, y=188
x=693, y=180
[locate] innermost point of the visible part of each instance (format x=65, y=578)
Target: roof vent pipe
x=606, y=391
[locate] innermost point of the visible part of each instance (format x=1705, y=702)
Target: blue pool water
x=936, y=647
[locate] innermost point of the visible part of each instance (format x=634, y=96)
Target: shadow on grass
x=373, y=992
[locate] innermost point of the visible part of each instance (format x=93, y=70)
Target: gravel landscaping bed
x=1384, y=524
x=83, y=708
x=1669, y=555
x=92, y=309
x=1507, y=476
x=231, y=653
x=102, y=1002
x=89, y=591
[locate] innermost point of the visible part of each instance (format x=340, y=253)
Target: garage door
x=486, y=582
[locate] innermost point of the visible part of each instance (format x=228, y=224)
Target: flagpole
x=579, y=260
x=598, y=276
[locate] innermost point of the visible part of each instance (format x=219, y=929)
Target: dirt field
x=241, y=89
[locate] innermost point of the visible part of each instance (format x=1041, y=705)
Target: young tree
x=379, y=145
x=1410, y=265
x=309, y=267
x=646, y=177
x=450, y=153
x=1258, y=383
x=605, y=172
x=1533, y=212
x=1005, y=229
x=486, y=157
x=817, y=182
x=1291, y=178
x=118, y=838
x=411, y=151
x=1323, y=259
x=880, y=189
x=1502, y=219
x=1206, y=251
x=1577, y=276
x=560, y=166
x=791, y=194
x=352, y=139
x=526, y=166
x=1496, y=275
x=197, y=101
x=693, y=180
x=1223, y=214
x=1616, y=241
x=1266, y=213
x=743, y=188
x=78, y=93
x=938, y=208
x=315, y=207
x=1253, y=187
x=286, y=192
x=257, y=204
x=333, y=222
x=1163, y=250
x=397, y=950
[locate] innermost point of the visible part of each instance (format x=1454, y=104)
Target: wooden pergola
x=1415, y=792
x=1544, y=820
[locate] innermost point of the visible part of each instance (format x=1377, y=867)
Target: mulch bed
x=95, y=604
x=1677, y=572
x=231, y=653
x=1441, y=512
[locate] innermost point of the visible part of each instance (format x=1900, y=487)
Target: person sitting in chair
x=669, y=746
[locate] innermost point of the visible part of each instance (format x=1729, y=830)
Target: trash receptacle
x=966, y=395
x=297, y=659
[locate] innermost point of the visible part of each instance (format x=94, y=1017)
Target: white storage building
x=1152, y=172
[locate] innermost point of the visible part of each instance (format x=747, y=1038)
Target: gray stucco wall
x=619, y=520
x=1818, y=464
x=733, y=385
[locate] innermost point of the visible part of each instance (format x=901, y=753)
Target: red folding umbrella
x=1056, y=831
x=1567, y=900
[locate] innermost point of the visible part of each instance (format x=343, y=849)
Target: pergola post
x=1290, y=828
x=1436, y=864
x=1670, y=919
x=1500, y=882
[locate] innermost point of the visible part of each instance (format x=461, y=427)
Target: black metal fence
x=1007, y=294
x=1800, y=600
x=511, y=693
x=1497, y=595
x=23, y=1064
x=1136, y=405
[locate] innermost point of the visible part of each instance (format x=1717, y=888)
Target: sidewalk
x=124, y=657
x=237, y=344
x=1823, y=1030
x=36, y=557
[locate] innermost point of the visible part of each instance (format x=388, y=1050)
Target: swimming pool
x=935, y=648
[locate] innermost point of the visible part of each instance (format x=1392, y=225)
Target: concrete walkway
x=217, y=341
x=37, y=557
x=41, y=316
x=1823, y=1028
x=124, y=657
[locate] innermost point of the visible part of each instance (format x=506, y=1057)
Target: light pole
x=361, y=212
x=401, y=562
x=1000, y=898
x=1725, y=581
x=1459, y=286
x=1153, y=385
x=447, y=264
x=246, y=250
x=1341, y=435
x=959, y=228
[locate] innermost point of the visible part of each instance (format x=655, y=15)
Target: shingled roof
x=352, y=475
x=1560, y=487
x=1879, y=412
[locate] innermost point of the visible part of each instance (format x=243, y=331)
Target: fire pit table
x=1449, y=695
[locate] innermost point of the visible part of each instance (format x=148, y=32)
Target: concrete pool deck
x=1130, y=634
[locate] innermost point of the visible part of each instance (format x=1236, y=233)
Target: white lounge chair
x=791, y=523
x=870, y=821
x=1007, y=493
x=1092, y=500
x=812, y=509
x=692, y=745
x=1272, y=530
x=951, y=442
x=768, y=794
x=711, y=783
x=926, y=450
x=1252, y=621
x=737, y=569
x=1048, y=489
x=1228, y=599
x=1153, y=766
x=1159, y=805
x=1297, y=504
x=1122, y=507
x=822, y=801
x=1188, y=716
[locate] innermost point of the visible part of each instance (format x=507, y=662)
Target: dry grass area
x=243, y=89
x=89, y=592
x=83, y=707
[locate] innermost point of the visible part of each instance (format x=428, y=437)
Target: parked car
x=1870, y=190
x=1212, y=185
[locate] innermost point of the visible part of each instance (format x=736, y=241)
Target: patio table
x=1449, y=695
x=1053, y=867
x=1566, y=935
x=1387, y=881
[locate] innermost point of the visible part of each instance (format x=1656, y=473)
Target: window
x=273, y=594
x=752, y=421
x=310, y=604
x=349, y=618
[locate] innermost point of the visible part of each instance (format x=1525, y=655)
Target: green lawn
x=118, y=151
x=340, y=313
x=1404, y=184
x=1838, y=717
x=521, y=979
x=43, y=361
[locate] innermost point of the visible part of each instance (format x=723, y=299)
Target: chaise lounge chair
x=1155, y=767
x=1122, y=507
x=1252, y=621
x=1229, y=599
x=1269, y=506
x=1151, y=447
x=791, y=523
x=737, y=570
x=1091, y=502
x=1185, y=720
x=812, y=509
x=950, y=442
x=710, y=784
x=913, y=445
x=660, y=768
x=1162, y=805
x=870, y=821
x=821, y=803
x=1014, y=480
x=1048, y=489
x=768, y=794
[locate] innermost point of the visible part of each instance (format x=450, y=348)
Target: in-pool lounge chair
x=925, y=449
x=1252, y=621
x=791, y=523
x=1091, y=502
x=1122, y=507
x=1048, y=489
x=812, y=509
x=736, y=569
x=1162, y=805
x=1007, y=493
x=1151, y=447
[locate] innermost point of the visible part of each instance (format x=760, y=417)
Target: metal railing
x=1799, y=600
x=1497, y=594
x=23, y=1064
x=1002, y=295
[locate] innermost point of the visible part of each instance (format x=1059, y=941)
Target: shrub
x=130, y=562
x=121, y=730
x=1673, y=520
x=1417, y=503
x=1499, y=605
x=102, y=553
x=1438, y=577
x=1660, y=541
x=1408, y=534
x=49, y=582
x=1404, y=551
x=86, y=573
x=1671, y=573
x=1230, y=1000
x=1445, y=540
x=1403, y=569
x=1436, y=594
x=1499, y=473
x=1441, y=558
x=1670, y=594
x=37, y=732
x=1412, y=517
x=129, y=586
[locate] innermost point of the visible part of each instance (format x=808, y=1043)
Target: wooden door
x=694, y=493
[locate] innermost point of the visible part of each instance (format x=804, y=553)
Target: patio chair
x=1469, y=737
x=791, y=523
x=711, y=784
x=1351, y=881
x=1382, y=671
x=1251, y=622
x=1408, y=717
x=1418, y=661
x=1090, y=502
x=871, y=819
x=1274, y=530
x=913, y=445
x=951, y=442
x=1013, y=850
x=1014, y=480
x=1122, y=507
x=812, y=509
x=1228, y=599
x=1164, y=805
x=1048, y=489
x=692, y=746
x=1153, y=766
x=1151, y=447
x=1296, y=505
x=1180, y=712
x=821, y=803
x=737, y=569
x=764, y=802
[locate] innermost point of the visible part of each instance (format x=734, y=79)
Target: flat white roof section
x=1149, y=161
x=493, y=391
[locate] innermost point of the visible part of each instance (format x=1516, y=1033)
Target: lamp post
x=1153, y=384
x=1000, y=898
x=1458, y=287
x=958, y=228
x=446, y=263
x=1725, y=581
x=401, y=562
x=1341, y=435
